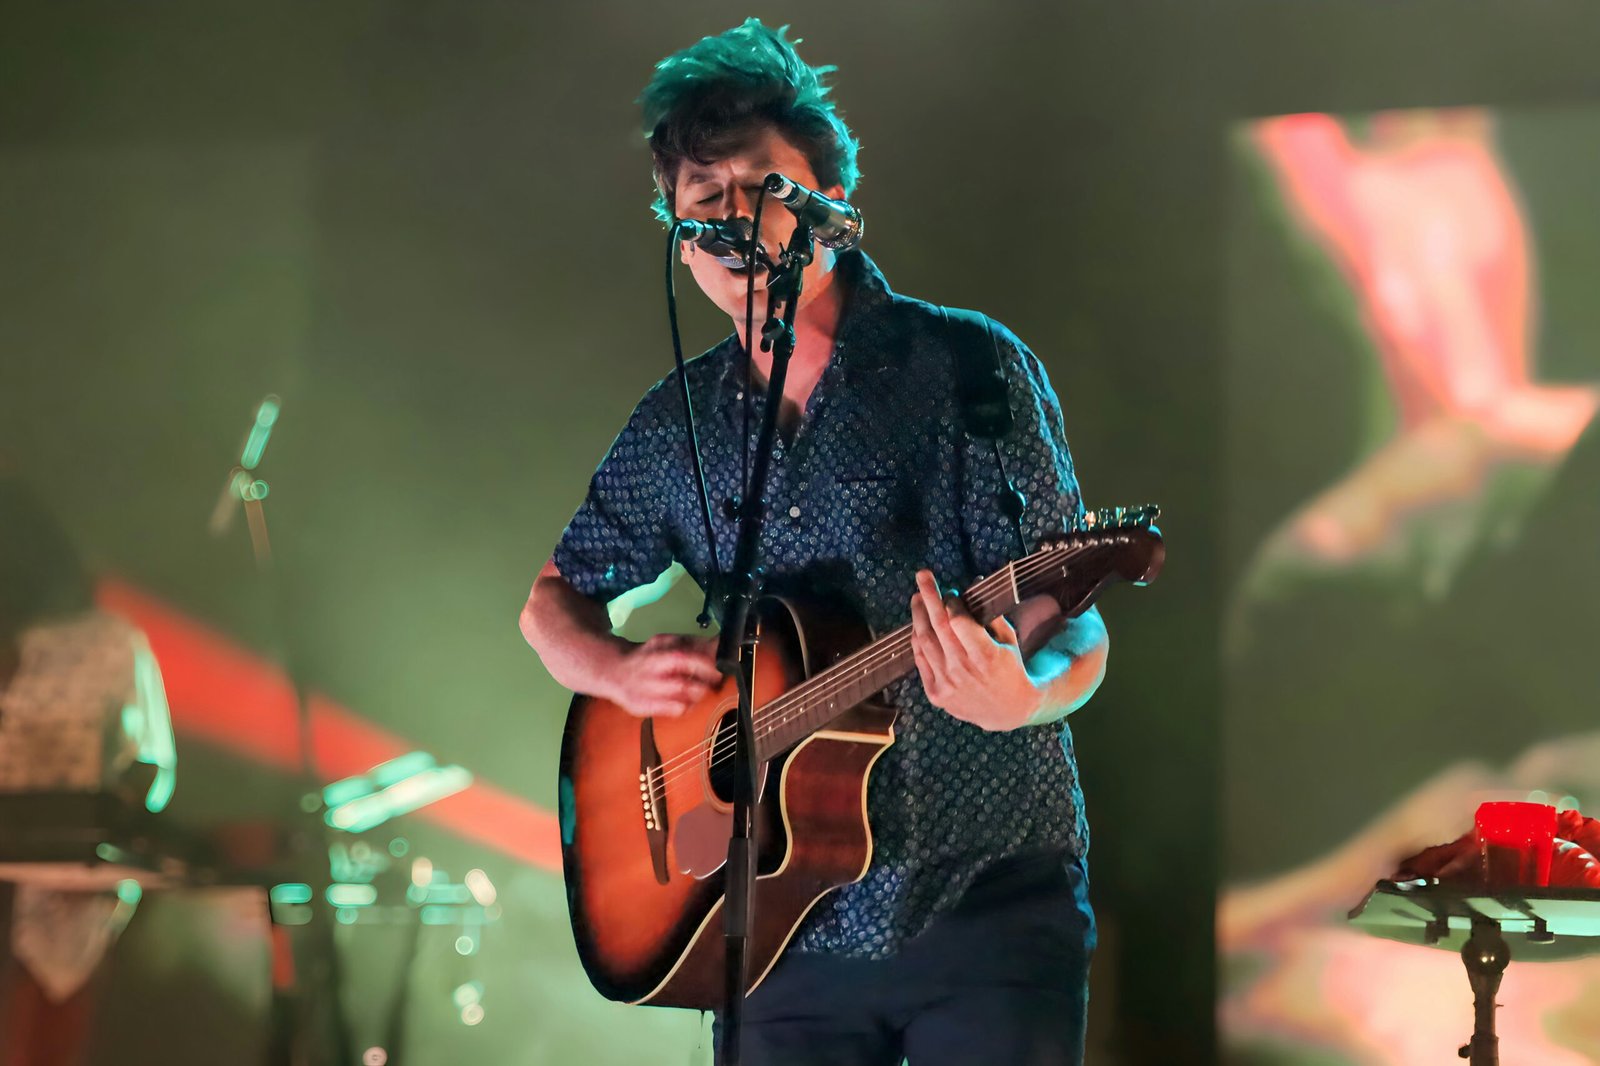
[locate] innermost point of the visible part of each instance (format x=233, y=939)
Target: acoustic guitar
x=643, y=802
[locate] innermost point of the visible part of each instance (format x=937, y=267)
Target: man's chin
x=738, y=285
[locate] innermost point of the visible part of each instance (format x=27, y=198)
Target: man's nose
x=741, y=203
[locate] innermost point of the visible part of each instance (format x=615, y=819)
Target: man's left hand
x=975, y=673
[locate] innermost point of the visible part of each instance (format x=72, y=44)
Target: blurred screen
x=1413, y=462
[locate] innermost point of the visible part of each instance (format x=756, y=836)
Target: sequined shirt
x=878, y=480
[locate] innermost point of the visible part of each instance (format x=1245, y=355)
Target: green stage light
x=401, y=767
x=481, y=887
x=346, y=895
x=399, y=786
x=112, y=853
x=256, y=443
x=346, y=789
x=446, y=893
x=290, y=892
x=151, y=722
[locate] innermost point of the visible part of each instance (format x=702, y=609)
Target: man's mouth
x=744, y=271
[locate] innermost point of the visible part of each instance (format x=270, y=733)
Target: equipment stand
x=1486, y=955
x=308, y=1026
x=783, y=284
x=1483, y=923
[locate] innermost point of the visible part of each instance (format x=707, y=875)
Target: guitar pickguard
x=700, y=834
x=700, y=840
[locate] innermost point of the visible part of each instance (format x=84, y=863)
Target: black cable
x=749, y=348
x=715, y=577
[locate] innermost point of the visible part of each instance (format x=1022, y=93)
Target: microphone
x=834, y=223
x=727, y=239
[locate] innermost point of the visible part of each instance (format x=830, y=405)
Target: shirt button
x=794, y=512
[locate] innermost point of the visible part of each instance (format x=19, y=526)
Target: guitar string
x=811, y=693
x=796, y=704
x=777, y=713
x=789, y=707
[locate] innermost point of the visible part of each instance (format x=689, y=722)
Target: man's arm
x=1069, y=667
x=996, y=679
x=1029, y=669
x=572, y=634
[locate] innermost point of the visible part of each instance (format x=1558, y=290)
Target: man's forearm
x=571, y=633
x=1069, y=668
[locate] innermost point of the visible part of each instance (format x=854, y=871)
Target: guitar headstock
x=1123, y=541
x=1142, y=517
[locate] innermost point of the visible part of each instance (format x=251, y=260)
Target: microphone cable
x=714, y=581
x=715, y=577
x=749, y=358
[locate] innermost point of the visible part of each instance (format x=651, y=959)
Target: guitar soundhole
x=721, y=768
x=773, y=836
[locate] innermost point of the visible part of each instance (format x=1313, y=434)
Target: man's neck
x=816, y=327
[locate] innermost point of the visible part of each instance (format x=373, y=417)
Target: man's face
x=728, y=188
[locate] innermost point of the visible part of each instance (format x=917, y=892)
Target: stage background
x=426, y=229
x=1413, y=368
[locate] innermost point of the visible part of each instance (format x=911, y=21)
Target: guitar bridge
x=653, y=799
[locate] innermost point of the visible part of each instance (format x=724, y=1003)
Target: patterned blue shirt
x=878, y=481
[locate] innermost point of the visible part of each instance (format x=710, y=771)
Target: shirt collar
x=867, y=294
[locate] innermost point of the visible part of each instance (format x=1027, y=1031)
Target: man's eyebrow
x=757, y=174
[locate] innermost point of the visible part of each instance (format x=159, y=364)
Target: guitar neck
x=808, y=707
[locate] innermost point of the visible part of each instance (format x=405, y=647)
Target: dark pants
x=1002, y=979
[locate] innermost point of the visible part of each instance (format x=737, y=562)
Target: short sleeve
x=622, y=535
x=1036, y=459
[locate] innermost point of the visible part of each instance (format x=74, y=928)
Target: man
x=968, y=939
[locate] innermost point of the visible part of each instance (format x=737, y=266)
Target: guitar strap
x=984, y=401
x=980, y=382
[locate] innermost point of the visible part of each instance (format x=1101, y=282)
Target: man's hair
x=704, y=103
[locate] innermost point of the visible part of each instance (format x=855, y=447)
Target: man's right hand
x=572, y=634
x=665, y=676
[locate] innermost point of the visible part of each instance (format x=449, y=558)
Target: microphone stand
x=744, y=583
x=307, y=1025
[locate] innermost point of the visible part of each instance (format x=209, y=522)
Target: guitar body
x=645, y=820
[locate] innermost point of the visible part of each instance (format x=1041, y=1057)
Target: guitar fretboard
x=806, y=708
